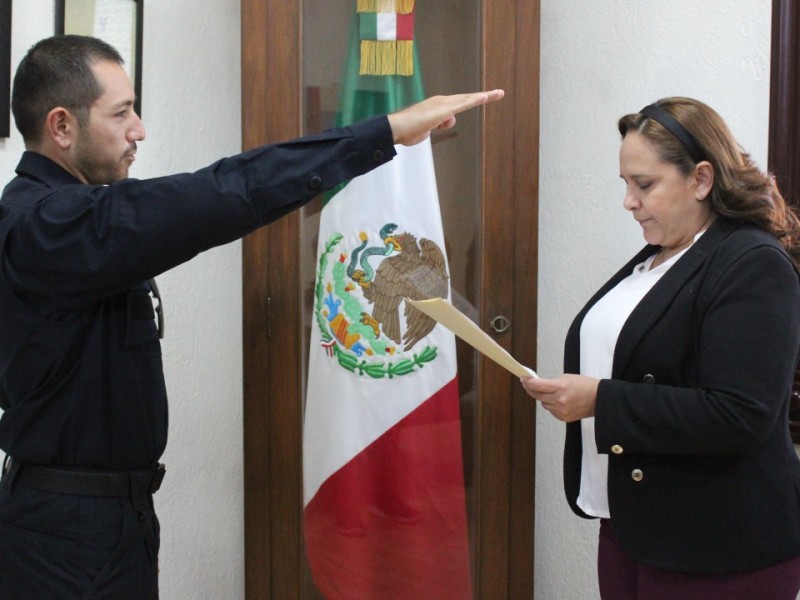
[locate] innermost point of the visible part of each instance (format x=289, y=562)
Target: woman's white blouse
x=599, y=332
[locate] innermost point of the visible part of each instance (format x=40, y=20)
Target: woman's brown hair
x=741, y=190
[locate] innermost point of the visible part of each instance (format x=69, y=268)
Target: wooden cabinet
x=487, y=170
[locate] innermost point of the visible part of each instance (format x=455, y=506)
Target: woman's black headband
x=672, y=125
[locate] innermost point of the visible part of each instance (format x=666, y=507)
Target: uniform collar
x=37, y=166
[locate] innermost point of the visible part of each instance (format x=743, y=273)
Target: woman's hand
x=568, y=398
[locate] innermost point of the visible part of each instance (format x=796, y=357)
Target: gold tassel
x=367, y=58
x=403, y=7
x=378, y=58
x=365, y=6
x=405, y=57
x=387, y=58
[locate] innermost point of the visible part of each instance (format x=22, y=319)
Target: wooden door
x=488, y=178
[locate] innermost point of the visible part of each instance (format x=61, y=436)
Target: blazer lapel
x=658, y=300
x=572, y=360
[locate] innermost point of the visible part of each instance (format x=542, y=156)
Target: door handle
x=500, y=324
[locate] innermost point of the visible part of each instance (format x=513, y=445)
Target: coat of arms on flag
x=359, y=300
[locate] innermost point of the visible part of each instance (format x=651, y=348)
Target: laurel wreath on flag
x=350, y=360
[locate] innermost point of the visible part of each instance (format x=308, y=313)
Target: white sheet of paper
x=444, y=313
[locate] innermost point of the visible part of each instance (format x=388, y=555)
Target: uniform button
x=315, y=182
x=649, y=378
x=616, y=449
x=378, y=155
x=637, y=475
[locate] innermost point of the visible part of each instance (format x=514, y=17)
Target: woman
x=678, y=375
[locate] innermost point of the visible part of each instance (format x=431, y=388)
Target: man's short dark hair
x=57, y=71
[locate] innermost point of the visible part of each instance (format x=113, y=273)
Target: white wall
x=191, y=109
x=192, y=105
x=601, y=60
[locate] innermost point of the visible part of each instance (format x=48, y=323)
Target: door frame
x=271, y=111
x=784, y=131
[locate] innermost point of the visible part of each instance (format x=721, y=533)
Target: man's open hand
x=413, y=124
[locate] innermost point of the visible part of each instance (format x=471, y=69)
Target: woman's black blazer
x=703, y=476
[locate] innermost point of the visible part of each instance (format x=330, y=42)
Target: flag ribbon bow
x=386, y=31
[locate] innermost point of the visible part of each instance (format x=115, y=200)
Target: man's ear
x=60, y=125
x=704, y=179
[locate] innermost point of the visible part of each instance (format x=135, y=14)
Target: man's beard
x=99, y=166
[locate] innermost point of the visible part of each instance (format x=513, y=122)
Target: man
x=81, y=380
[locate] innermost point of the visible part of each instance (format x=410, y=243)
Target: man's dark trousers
x=60, y=546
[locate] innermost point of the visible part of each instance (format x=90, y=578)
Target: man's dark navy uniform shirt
x=81, y=380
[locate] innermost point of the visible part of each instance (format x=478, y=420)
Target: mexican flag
x=385, y=513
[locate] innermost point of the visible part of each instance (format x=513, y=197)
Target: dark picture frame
x=62, y=26
x=5, y=68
